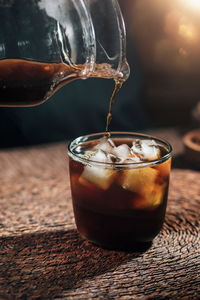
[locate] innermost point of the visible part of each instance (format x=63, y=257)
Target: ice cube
x=100, y=177
x=105, y=145
x=133, y=159
x=97, y=155
x=138, y=180
x=150, y=200
x=100, y=156
x=146, y=149
x=143, y=182
x=122, y=152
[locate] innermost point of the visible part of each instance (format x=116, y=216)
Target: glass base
x=129, y=246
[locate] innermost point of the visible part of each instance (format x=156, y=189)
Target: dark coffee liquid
x=113, y=216
x=26, y=83
x=118, y=85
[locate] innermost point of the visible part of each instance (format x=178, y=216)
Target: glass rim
x=114, y=134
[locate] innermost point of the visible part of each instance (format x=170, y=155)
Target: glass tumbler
x=118, y=205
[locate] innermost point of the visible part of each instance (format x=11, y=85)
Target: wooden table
x=43, y=257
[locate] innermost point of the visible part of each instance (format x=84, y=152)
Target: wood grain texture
x=43, y=257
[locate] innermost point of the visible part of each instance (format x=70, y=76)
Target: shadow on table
x=46, y=264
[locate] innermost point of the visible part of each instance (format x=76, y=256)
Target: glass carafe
x=45, y=44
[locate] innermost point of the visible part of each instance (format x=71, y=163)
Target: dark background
x=154, y=95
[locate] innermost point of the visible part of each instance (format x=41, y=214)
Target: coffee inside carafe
x=27, y=83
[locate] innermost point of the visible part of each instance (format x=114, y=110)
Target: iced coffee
x=119, y=187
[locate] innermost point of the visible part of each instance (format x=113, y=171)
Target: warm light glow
x=188, y=31
x=183, y=53
x=193, y=3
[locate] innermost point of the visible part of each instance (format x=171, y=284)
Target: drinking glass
x=118, y=205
